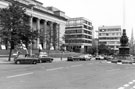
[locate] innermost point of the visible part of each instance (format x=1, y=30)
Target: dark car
x=23, y=59
x=43, y=57
x=79, y=58
x=73, y=58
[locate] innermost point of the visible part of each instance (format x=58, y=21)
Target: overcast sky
x=100, y=12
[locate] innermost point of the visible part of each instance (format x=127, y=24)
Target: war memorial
x=123, y=55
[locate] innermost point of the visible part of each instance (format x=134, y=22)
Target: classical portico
x=49, y=33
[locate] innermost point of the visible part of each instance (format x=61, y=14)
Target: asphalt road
x=68, y=75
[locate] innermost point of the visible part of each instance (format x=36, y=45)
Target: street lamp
x=97, y=42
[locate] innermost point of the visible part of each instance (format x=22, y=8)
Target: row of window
x=78, y=31
x=78, y=21
x=78, y=36
x=76, y=27
x=87, y=32
x=109, y=34
x=109, y=38
x=73, y=31
x=115, y=29
x=87, y=27
x=78, y=41
x=73, y=27
x=109, y=45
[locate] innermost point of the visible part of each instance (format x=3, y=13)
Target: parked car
x=73, y=58
x=23, y=59
x=108, y=58
x=99, y=57
x=79, y=58
x=86, y=57
x=43, y=57
x=43, y=54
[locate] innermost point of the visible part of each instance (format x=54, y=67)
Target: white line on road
x=130, y=82
x=113, y=69
x=121, y=88
x=19, y=75
x=127, y=85
x=76, y=65
x=54, y=69
x=89, y=63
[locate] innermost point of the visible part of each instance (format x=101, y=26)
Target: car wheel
x=50, y=61
x=18, y=62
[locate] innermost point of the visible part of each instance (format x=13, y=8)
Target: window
x=107, y=34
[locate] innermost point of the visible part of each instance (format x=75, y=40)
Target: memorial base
x=123, y=58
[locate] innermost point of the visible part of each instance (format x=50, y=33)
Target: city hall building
x=78, y=34
x=43, y=19
x=110, y=36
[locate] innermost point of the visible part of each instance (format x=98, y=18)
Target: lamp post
x=97, y=42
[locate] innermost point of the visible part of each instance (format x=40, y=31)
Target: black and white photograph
x=67, y=44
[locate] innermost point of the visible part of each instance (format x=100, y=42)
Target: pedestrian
x=40, y=48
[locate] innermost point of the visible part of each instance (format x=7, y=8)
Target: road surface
x=68, y=75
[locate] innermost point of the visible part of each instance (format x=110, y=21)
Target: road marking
x=133, y=87
x=113, y=70
x=89, y=63
x=18, y=75
x=130, y=82
x=54, y=69
x=127, y=85
x=121, y=88
x=76, y=65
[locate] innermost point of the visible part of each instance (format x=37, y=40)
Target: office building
x=110, y=36
x=78, y=34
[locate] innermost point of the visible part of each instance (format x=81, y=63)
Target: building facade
x=110, y=36
x=78, y=34
x=43, y=19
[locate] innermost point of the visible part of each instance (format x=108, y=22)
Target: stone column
x=45, y=34
x=51, y=36
x=38, y=28
x=31, y=26
x=58, y=35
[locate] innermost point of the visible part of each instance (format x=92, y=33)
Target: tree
x=15, y=25
x=104, y=49
x=92, y=50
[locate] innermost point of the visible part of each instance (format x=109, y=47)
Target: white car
x=86, y=57
x=42, y=54
x=99, y=57
x=43, y=57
